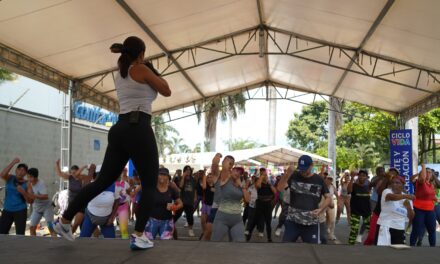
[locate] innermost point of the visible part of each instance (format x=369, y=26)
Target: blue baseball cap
x=304, y=162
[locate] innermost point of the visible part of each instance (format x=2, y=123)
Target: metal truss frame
x=257, y=91
x=183, y=59
x=29, y=67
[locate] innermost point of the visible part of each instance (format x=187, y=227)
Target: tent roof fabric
x=275, y=155
x=381, y=53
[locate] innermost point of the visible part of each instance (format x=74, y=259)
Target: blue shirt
x=14, y=201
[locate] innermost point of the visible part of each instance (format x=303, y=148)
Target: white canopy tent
x=275, y=155
x=381, y=53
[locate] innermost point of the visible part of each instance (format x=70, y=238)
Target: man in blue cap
x=306, y=191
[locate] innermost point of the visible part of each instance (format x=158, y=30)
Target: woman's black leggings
x=189, y=213
x=264, y=211
x=127, y=139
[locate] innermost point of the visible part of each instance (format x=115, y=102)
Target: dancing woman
x=137, y=85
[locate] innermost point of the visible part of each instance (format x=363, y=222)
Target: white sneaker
x=260, y=234
x=140, y=242
x=64, y=230
x=246, y=233
x=278, y=232
x=359, y=239
x=185, y=225
x=191, y=233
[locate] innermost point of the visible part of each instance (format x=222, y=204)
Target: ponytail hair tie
x=117, y=48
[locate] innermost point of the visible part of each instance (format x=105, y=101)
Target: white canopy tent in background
x=273, y=155
x=382, y=53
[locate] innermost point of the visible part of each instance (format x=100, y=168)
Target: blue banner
x=93, y=114
x=401, y=155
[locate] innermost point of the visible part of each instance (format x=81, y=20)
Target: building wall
x=36, y=141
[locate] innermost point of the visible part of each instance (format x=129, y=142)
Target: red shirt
x=425, y=196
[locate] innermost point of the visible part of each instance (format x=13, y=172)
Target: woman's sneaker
x=140, y=242
x=64, y=230
x=278, y=232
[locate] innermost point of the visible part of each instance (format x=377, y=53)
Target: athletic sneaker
x=359, y=239
x=185, y=225
x=191, y=233
x=246, y=233
x=260, y=234
x=278, y=232
x=140, y=242
x=64, y=230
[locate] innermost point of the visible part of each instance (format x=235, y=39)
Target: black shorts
x=71, y=197
x=211, y=215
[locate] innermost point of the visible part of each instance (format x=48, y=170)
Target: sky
x=253, y=125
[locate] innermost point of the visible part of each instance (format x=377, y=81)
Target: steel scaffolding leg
x=66, y=133
x=332, y=136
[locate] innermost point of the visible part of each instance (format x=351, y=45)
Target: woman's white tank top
x=132, y=95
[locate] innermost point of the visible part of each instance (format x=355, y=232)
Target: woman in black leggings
x=137, y=84
x=266, y=194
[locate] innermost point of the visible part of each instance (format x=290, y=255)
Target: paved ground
x=342, y=230
x=20, y=249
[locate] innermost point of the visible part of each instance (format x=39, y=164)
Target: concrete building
x=35, y=139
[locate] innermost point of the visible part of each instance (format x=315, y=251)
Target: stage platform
x=19, y=249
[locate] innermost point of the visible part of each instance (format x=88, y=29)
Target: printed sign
x=401, y=155
x=94, y=114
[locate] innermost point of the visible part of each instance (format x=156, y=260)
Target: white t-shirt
x=121, y=189
x=254, y=195
x=102, y=205
x=393, y=214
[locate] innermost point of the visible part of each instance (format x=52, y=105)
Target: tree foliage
x=308, y=128
x=6, y=75
x=238, y=144
x=429, y=125
x=163, y=132
x=225, y=107
x=362, y=141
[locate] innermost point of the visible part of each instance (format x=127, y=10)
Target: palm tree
x=367, y=156
x=228, y=106
x=162, y=131
x=183, y=148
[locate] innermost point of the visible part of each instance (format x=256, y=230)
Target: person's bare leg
x=33, y=230
x=203, y=220
x=339, y=209
x=52, y=232
x=207, y=233
x=79, y=217
x=347, y=208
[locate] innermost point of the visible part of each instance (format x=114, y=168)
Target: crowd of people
x=232, y=202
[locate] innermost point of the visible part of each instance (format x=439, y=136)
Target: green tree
x=162, y=132
x=197, y=148
x=238, y=144
x=362, y=140
x=346, y=158
x=429, y=125
x=6, y=75
x=183, y=148
x=308, y=128
x=367, y=127
x=225, y=107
